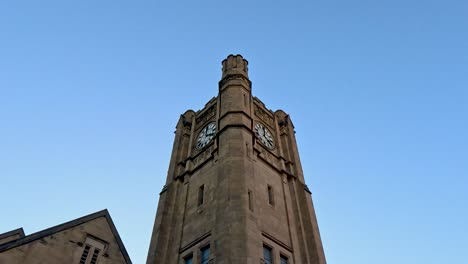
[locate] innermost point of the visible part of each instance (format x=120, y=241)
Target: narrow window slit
x=201, y=191
x=270, y=195
x=249, y=193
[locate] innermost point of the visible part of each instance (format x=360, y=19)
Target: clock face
x=264, y=135
x=206, y=135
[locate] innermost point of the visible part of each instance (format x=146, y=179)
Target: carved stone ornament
x=206, y=115
x=263, y=115
x=186, y=122
x=283, y=122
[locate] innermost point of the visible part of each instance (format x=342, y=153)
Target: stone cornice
x=232, y=77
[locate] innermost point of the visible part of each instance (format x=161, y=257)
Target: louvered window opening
x=95, y=256
x=84, y=256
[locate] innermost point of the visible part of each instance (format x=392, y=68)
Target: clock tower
x=235, y=190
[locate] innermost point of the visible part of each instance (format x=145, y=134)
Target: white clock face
x=206, y=135
x=264, y=135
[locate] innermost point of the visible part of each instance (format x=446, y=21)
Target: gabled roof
x=67, y=225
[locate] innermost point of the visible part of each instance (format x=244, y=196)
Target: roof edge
x=18, y=231
x=121, y=245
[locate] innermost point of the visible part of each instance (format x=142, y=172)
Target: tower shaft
x=235, y=190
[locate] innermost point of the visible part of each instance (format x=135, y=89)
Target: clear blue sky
x=90, y=93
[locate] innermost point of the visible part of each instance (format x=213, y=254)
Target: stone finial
x=235, y=64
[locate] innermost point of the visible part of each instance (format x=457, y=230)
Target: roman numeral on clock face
x=264, y=135
x=206, y=135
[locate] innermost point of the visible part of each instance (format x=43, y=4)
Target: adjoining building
x=92, y=239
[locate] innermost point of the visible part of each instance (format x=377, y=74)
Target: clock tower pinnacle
x=235, y=64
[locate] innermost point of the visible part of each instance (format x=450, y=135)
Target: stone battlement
x=235, y=64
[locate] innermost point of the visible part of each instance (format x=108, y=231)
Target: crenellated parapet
x=235, y=73
x=235, y=64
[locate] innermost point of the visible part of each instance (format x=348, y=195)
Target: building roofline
x=67, y=225
x=18, y=231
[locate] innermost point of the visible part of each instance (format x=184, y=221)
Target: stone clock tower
x=235, y=190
